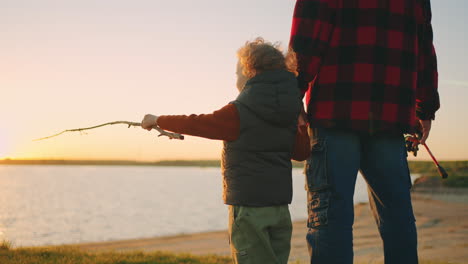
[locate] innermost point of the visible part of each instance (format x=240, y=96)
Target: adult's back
x=373, y=63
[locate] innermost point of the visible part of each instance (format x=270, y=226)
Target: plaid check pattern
x=366, y=65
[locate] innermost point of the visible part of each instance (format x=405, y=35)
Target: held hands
x=149, y=121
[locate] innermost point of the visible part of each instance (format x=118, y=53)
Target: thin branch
x=130, y=124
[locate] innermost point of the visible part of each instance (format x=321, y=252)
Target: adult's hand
x=149, y=121
x=425, y=129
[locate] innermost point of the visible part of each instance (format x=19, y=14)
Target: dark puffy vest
x=257, y=166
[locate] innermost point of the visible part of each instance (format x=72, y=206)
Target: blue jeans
x=331, y=170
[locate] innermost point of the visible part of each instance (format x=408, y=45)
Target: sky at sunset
x=69, y=64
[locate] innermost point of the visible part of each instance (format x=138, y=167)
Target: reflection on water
x=42, y=205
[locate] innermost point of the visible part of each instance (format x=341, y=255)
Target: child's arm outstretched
x=222, y=124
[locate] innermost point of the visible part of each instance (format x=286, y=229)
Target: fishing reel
x=412, y=145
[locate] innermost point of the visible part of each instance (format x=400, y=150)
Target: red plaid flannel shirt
x=366, y=65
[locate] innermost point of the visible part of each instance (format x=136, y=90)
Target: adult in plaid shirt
x=369, y=72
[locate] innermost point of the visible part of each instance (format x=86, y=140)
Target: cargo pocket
x=317, y=206
x=316, y=167
x=318, y=185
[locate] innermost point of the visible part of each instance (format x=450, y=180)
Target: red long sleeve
x=310, y=35
x=222, y=124
x=427, y=97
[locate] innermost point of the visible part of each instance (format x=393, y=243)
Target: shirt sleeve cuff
x=423, y=111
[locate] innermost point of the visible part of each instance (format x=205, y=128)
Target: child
x=261, y=134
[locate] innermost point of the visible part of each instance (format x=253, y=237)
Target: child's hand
x=149, y=121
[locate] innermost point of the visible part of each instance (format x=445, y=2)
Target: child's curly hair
x=258, y=56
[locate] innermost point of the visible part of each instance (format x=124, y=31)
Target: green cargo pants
x=260, y=235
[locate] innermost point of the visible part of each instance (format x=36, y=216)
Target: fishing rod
x=441, y=170
x=411, y=139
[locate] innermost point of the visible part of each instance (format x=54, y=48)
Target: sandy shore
x=442, y=221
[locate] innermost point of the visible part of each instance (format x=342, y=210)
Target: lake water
x=50, y=205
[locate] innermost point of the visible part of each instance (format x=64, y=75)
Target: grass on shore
x=5, y=245
x=457, y=171
x=71, y=255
